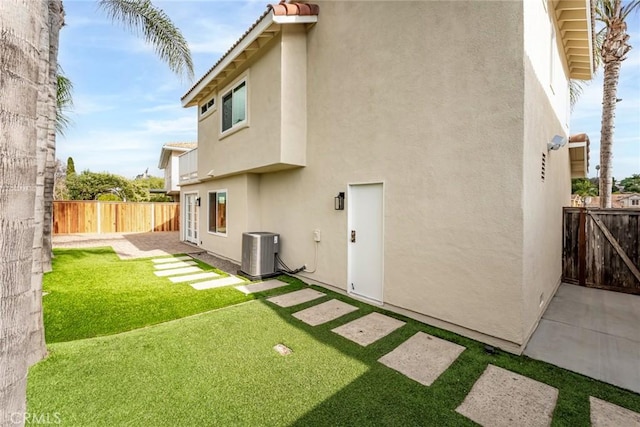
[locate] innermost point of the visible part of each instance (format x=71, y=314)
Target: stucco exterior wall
x=445, y=137
x=543, y=201
x=242, y=214
x=542, y=41
x=452, y=118
x=258, y=143
x=173, y=169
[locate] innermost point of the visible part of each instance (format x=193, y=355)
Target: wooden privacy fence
x=601, y=248
x=71, y=217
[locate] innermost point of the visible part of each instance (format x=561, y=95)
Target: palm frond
x=628, y=8
x=576, y=87
x=142, y=17
x=64, y=101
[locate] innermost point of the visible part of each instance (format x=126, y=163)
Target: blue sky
x=127, y=103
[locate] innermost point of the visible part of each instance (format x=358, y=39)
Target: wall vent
x=544, y=165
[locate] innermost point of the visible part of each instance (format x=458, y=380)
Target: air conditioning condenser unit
x=259, y=249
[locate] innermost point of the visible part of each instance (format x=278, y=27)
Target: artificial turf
x=219, y=368
x=91, y=292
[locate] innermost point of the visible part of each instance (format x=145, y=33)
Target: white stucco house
x=169, y=162
x=419, y=117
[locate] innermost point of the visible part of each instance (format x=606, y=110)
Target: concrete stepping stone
x=177, y=271
x=502, y=398
x=423, y=357
x=369, y=328
x=295, y=298
x=325, y=312
x=217, y=283
x=606, y=414
x=171, y=265
x=192, y=277
x=172, y=259
x=261, y=286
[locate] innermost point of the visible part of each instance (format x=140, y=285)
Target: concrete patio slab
x=592, y=332
x=325, y=312
x=129, y=245
x=369, y=328
x=261, y=286
x=177, y=271
x=295, y=298
x=193, y=277
x=423, y=357
x=606, y=414
x=171, y=265
x=171, y=259
x=502, y=398
x=612, y=313
x=217, y=283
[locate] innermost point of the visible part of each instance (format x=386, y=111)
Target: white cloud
x=86, y=105
x=174, y=106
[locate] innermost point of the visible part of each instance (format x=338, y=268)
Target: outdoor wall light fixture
x=556, y=143
x=198, y=201
x=339, y=202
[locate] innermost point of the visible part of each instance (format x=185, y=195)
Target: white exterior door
x=191, y=218
x=365, y=240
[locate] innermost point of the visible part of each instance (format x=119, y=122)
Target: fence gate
x=601, y=248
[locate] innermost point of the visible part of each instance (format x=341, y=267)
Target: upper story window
x=207, y=107
x=234, y=106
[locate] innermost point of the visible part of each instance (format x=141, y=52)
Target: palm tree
x=28, y=29
x=153, y=24
x=28, y=59
x=64, y=101
x=615, y=46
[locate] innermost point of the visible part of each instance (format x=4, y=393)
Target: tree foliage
x=64, y=101
x=631, y=184
x=71, y=167
x=583, y=187
x=106, y=186
x=145, y=19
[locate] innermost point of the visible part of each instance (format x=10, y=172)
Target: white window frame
x=216, y=192
x=209, y=108
x=226, y=91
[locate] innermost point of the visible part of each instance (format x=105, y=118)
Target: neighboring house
x=630, y=200
x=621, y=200
x=419, y=117
x=169, y=161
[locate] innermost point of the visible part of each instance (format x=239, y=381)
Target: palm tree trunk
x=611, y=75
x=57, y=21
x=45, y=152
x=24, y=25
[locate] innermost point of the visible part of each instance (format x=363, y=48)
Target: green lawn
x=219, y=368
x=93, y=293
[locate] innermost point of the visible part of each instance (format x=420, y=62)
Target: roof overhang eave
x=575, y=23
x=579, y=158
x=190, y=99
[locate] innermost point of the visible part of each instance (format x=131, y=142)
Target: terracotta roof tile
x=282, y=8
x=579, y=137
x=294, y=8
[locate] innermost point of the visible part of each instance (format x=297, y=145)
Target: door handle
x=353, y=236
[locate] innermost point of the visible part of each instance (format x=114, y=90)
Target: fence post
x=153, y=217
x=582, y=247
x=99, y=217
